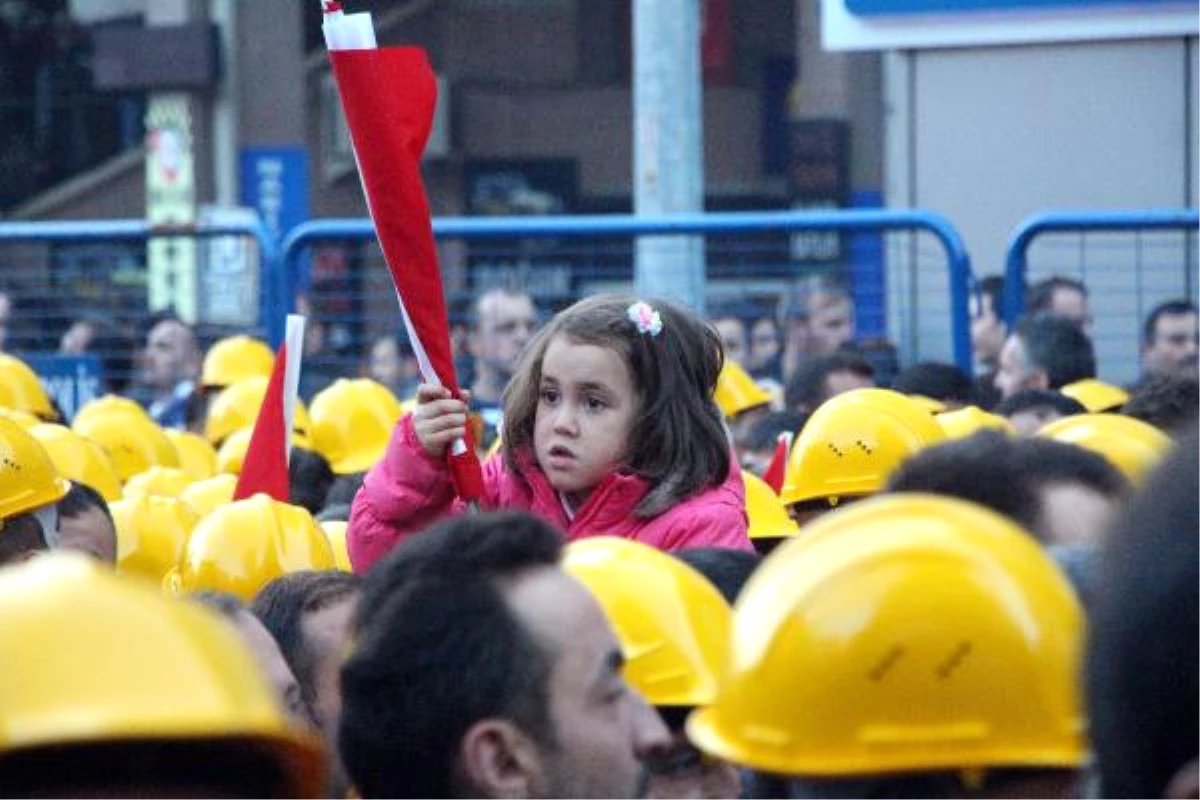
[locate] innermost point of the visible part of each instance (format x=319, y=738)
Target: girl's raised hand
x=438, y=419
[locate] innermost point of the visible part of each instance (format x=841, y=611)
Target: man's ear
x=1038, y=379
x=497, y=759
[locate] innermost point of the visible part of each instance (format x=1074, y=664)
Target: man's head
x=987, y=326
x=504, y=321
x=1062, y=297
x=85, y=524
x=1030, y=409
x=1170, y=339
x=732, y=330
x=1142, y=655
x=1045, y=351
x=171, y=354
x=1168, y=402
x=818, y=379
x=29, y=498
x=937, y=381
x=482, y=669
x=817, y=317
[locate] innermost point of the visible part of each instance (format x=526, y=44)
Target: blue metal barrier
x=1129, y=261
x=273, y=297
x=848, y=221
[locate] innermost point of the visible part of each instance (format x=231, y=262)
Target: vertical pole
x=668, y=151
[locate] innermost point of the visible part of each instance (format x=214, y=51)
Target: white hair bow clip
x=645, y=318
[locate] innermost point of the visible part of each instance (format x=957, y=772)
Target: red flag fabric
x=388, y=95
x=265, y=468
x=776, y=471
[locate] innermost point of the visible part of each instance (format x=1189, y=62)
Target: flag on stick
x=388, y=95
x=776, y=471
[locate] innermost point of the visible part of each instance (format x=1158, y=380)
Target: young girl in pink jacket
x=609, y=429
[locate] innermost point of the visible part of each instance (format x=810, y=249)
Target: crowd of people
x=747, y=555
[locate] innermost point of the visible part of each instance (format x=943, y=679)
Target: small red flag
x=776, y=471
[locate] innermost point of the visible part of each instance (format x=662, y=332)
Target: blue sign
x=892, y=7
x=275, y=183
x=70, y=381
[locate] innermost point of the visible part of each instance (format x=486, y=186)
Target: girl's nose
x=564, y=420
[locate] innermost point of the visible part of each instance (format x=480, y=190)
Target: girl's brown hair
x=678, y=443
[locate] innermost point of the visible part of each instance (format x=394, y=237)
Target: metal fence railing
x=1130, y=260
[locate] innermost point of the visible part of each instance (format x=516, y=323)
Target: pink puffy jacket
x=407, y=490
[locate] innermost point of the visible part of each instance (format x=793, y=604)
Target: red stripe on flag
x=265, y=468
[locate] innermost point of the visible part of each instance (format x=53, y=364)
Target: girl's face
x=585, y=412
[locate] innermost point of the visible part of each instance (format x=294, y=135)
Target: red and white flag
x=388, y=95
x=265, y=468
x=776, y=470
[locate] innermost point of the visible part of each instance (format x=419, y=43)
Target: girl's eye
x=549, y=395
x=595, y=403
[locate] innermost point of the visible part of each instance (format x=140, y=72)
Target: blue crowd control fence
x=1130, y=260
x=337, y=270
x=91, y=278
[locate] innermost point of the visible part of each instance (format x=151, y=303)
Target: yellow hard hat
x=237, y=406
x=335, y=532
x=768, y=516
x=737, y=392
x=853, y=442
x=672, y=623
x=1096, y=395
x=151, y=533
x=206, y=495
x=117, y=662
x=962, y=422
x=242, y=546
x=196, y=456
x=352, y=421
x=109, y=404
x=79, y=459
x=133, y=441
x=158, y=481
x=22, y=418
x=236, y=358
x=930, y=404
x=905, y=633
x=231, y=455
x=20, y=389
x=28, y=479
x=1133, y=446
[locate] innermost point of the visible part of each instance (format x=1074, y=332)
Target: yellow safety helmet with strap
x=159, y=481
x=1133, y=446
x=22, y=418
x=234, y=359
x=335, y=532
x=20, y=389
x=109, y=404
x=352, y=421
x=767, y=514
x=231, y=455
x=79, y=459
x=237, y=406
x=905, y=633
x=133, y=441
x=207, y=495
x=196, y=456
x=28, y=479
x=737, y=392
x=672, y=623
x=242, y=546
x=118, y=663
x=1096, y=395
x=962, y=422
x=151, y=533
x=853, y=442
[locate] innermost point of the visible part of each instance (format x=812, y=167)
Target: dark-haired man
x=481, y=669
x=1044, y=351
x=85, y=524
x=1170, y=340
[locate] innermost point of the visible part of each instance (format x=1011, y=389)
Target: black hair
x=226, y=604
x=438, y=649
x=1058, y=347
x=1041, y=295
x=1170, y=308
x=20, y=534
x=1168, y=402
x=807, y=390
x=992, y=286
x=1006, y=474
x=726, y=569
x=678, y=443
x=344, y=488
x=282, y=605
x=764, y=433
x=309, y=479
x=79, y=498
x=1142, y=655
x=936, y=380
x=1034, y=398
x=334, y=512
